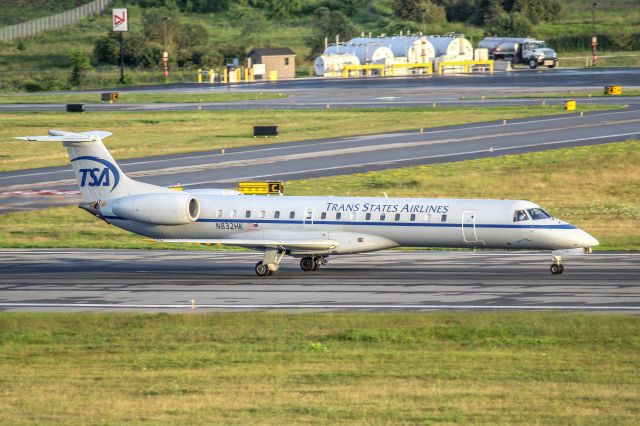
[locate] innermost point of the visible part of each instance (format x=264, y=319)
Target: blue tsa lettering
x=107, y=175
x=96, y=180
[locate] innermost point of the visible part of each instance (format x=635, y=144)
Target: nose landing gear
x=557, y=267
x=270, y=264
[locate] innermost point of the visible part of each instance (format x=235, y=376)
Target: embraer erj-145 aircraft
x=310, y=228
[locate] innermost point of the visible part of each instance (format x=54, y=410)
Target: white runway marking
x=322, y=306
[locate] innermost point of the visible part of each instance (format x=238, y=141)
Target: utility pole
x=594, y=39
x=165, y=53
x=122, y=57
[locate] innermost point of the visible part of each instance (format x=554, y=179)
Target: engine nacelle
x=160, y=209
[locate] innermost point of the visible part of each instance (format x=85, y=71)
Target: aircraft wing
x=275, y=244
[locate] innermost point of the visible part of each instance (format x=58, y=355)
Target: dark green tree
x=79, y=66
x=421, y=11
x=328, y=23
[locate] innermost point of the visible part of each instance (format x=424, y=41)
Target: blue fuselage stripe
x=375, y=223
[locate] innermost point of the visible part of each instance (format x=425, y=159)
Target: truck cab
x=534, y=53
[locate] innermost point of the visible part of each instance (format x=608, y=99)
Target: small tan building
x=280, y=59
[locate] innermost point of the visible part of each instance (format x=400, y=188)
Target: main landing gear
x=557, y=267
x=308, y=264
x=272, y=258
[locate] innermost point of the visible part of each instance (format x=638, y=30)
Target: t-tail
x=97, y=173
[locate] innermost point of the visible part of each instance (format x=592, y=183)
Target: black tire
x=551, y=66
x=262, y=270
x=556, y=269
x=533, y=63
x=307, y=264
x=561, y=268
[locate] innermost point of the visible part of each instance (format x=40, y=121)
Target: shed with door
x=279, y=59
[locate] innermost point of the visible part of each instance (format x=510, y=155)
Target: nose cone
x=586, y=240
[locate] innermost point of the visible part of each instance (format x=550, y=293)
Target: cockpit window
x=520, y=215
x=538, y=213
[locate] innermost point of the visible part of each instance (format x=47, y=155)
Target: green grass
x=336, y=368
x=136, y=97
x=141, y=134
x=596, y=188
x=570, y=94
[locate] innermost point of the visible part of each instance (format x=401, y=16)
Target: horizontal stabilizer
x=277, y=244
x=62, y=136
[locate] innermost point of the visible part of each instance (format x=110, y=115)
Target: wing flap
x=277, y=244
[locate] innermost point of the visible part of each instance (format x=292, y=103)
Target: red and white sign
x=120, y=20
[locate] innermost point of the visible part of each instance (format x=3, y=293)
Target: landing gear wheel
x=556, y=269
x=308, y=264
x=317, y=262
x=262, y=270
x=533, y=63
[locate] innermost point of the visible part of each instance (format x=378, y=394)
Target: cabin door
x=307, y=220
x=469, y=226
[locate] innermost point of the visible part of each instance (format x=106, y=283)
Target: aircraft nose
x=586, y=240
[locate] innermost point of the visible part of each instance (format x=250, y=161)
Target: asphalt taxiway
x=95, y=280
x=337, y=156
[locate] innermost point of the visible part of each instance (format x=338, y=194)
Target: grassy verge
x=169, y=132
x=359, y=368
x=597, y=188
x=570, y=94
x=136, y=97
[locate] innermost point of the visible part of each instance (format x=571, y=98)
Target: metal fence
x=53, y=22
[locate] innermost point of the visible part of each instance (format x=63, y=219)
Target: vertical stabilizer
x=97, y=173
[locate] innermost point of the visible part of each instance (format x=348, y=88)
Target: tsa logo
x=105, y=175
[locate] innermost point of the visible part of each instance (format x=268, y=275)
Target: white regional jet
x=310, y=228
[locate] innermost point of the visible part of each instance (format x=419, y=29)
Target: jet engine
x=158, y=208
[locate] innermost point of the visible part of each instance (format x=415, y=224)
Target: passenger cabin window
x=397, y=217
x=323, y=215
x=338, y=215
x=276, y=214
x=382, y=216
x=412, y=218
x=538, y=213
x=219, y=213
x=367, y=216
x=520, y=215
x=427, y=218
x=292, y=215
x=352, y=216
x=443, y=218
x=247, y=214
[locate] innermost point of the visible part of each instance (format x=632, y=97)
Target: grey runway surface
x=328, y=157
x=95, y=280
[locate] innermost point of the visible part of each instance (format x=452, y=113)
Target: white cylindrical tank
x=366, y=53
x=417, y=49
x=454, y=46
x=332, y=64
